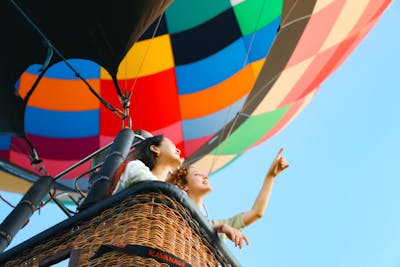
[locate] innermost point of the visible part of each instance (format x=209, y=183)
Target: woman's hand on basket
x=234, y=235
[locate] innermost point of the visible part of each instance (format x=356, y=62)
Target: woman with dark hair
x=154, y=159
x=195, y=184
x=151, y=159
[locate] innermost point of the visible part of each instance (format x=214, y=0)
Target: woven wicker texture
x=151, y=219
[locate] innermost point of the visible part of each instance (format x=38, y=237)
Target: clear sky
x=338, y=203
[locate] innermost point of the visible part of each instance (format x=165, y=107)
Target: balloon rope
x=12, y=206
x=288, y=14
x=16, y=148
x=256, y=94
x=7, y=202
x=126, y=73
x=51, y=197
x=125, y=103
x=53, y=48
x=36, y=162
x=145, y=54
x=245, y=62
x=125, y=97
x=32, y=156
x=38, y=79
x=284, y=24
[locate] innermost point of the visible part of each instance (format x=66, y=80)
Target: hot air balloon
x=217, y=77
x=205, y=74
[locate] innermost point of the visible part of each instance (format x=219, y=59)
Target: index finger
x=279, y=153
x=246, y=239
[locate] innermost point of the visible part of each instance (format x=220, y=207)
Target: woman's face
x=168, y=152
x=197, y=182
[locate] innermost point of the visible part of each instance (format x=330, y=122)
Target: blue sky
x=337, y=204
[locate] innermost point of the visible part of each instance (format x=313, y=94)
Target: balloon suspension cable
x=12, y=206
x=66, y=210
x=245, y=62
x=145, y=54
x=77, y=188
x=60, y=55
x=42, y=204
x=7, y=202
x=39, y=78
x=284, y=23
x=36, y=162
x=284, y=20
x=51, y=197
x=125, y=98
x=117, y=87
x=126, y=119
x=32, y=158
x=38, y=165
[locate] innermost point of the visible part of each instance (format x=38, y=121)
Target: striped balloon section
x=206, y=74
x=332, y=32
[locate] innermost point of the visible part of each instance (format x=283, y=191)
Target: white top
x=135, y=172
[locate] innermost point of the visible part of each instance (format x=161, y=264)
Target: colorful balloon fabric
x=216, y=77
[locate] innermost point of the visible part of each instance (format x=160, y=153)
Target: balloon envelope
x=216, y=77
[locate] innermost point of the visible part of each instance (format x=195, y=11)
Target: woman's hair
x=141, y=152
x=179, y=176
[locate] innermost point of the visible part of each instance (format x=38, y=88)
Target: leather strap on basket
x=143, y=251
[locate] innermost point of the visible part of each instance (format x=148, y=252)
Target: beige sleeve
x=236, y=222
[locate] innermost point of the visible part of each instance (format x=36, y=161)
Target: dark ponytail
x=141, y=152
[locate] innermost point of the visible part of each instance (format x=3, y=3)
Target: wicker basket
x=152, y=219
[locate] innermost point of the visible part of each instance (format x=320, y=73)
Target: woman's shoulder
x=136, y=164
x=138, y=170
x=135, y=171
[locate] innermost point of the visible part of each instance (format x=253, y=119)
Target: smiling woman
x=152, y=159
x=196, y=185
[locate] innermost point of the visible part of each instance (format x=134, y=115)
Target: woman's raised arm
x=261, y=202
